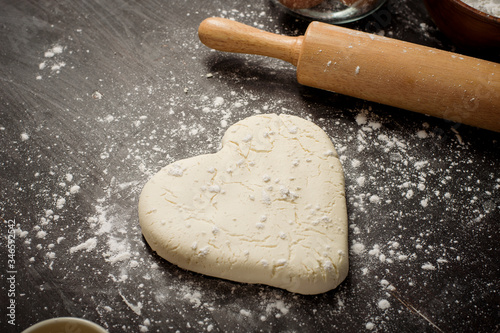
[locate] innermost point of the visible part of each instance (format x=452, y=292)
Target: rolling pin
x=375, y=68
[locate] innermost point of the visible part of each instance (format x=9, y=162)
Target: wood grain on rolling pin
x=401, y=74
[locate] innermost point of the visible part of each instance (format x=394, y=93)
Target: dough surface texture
x=268, y=208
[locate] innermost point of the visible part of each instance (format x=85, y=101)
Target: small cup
x=334, y=11
x=65, y=325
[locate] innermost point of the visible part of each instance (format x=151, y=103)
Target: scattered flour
x=60, y=203
x=429, y=267
x=57, y=49
x=277, y=305
x=245, y=313
x=357, y=248
x=383, y=304
x=374, y=199
x=74, y=189
x=194, y=298
x=136, y=308
x=218, y=101
x=118, y=250
x=51, y=61
x=89, y=245
x=361, y=119
x=424, y=202
x=422, y=134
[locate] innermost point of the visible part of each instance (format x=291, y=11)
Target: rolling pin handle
x=230, y=36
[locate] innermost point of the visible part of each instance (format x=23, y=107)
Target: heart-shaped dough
x=268, y=208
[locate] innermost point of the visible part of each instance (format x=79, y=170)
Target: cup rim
x=81, y=321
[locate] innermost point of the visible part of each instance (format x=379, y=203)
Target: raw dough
x=268, y=208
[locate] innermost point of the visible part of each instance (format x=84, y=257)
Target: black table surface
x=97, y=96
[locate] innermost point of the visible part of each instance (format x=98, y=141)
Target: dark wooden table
x=96, y=96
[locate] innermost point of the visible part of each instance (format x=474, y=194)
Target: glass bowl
x=336, y=11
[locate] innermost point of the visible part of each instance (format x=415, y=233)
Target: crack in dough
x=268, y=208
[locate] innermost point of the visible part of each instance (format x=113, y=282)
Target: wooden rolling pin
x=375, y=68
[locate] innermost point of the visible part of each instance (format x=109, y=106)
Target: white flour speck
x=361, y=119
x=424, y=202
x=357, y=248
x=383, y=304
x=88, y=246
x=422, y=134
x=218, y=101
x=136, y=308
x=374, y=199
x=60, y=203
x=428, y=267
x=74, y=189
x=360, y=180
x=245, y=313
